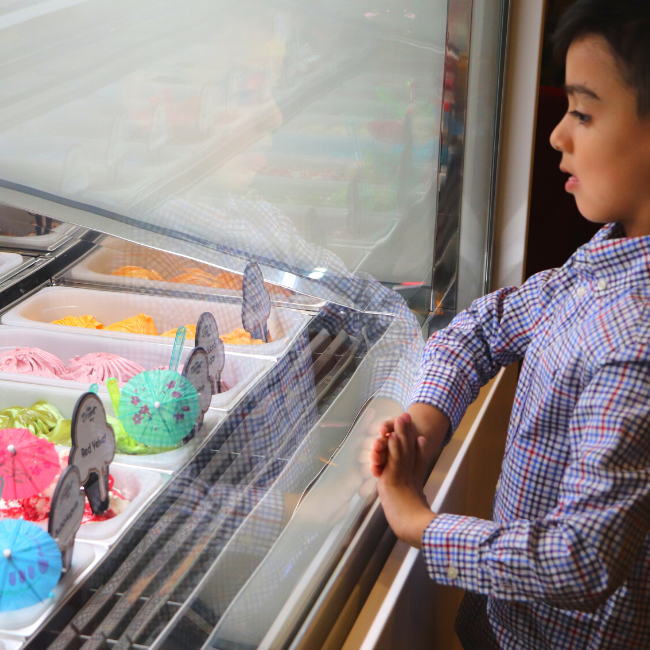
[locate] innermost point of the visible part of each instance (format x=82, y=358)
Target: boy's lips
x=573, y=181
x=571, y=184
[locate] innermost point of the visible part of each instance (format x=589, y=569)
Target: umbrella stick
x=114, y=393
x=181, y=333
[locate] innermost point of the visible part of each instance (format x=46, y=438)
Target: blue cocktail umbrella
x=30, y=564
x=158, y=407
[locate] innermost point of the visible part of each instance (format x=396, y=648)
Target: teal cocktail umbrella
x=30, y=564
x=158, y=407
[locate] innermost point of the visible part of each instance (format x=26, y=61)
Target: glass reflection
x=244, y=124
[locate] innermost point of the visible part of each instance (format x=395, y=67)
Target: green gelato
x=42, y=419
x=45, y=421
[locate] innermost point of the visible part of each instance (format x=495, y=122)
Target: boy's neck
x=637, y=225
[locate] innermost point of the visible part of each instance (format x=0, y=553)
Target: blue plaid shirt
x=565, y=561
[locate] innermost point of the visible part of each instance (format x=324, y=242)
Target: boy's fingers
x=386, y=427
x=378, y=458
x=400, y=431
x=394, y=450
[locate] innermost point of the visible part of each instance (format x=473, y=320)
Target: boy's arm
x=458, y=360
x=494, y=332
x=584, y=549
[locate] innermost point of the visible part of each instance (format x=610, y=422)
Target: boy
x=565, y=562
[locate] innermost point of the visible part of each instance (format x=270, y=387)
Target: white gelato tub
x=9, y=262
x=8, y=642
x=19, y=222
x=240, y=372
x=136, y=484
x=24, y=622
x=55, y=303
x=139, y=486
x=96, y=269
x=26, y=394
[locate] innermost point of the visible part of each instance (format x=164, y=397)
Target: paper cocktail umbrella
x=28, y=464
x=158, y=407
x=30, y=564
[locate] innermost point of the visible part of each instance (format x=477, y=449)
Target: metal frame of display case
x=443, y=305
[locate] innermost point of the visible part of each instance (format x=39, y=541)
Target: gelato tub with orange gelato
x=128, y=266
x=144, y=317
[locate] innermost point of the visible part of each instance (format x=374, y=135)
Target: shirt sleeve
x=584, y=549
x=494, y=332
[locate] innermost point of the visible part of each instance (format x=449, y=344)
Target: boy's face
x=605, y=145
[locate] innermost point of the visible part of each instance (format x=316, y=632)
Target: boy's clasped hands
x=398, y=458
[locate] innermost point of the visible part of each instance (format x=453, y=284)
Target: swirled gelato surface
x=32, y=361
x=97, y=367
x=138, y=272
x=87, y=321
x=41, y=418
x=140, y=324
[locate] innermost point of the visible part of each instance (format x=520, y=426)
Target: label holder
x=66, y=513
x=207, y=338
x=256, y=306
x=196, y=371
x=93, y=449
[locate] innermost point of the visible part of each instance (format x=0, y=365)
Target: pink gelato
x=37, y=508
x=32, y=361
x=97, y=367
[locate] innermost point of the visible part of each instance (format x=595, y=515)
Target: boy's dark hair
x=625, y=25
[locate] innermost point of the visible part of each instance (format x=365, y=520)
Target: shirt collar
x=612, y=256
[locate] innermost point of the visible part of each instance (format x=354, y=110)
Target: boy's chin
x=594, y=215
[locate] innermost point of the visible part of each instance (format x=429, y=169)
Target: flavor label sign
x=207, y=337
x=256, y=307
x=93, y=449
x=196, y=372
x=66, y=512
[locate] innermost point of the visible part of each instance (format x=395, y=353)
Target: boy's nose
x=559, y=138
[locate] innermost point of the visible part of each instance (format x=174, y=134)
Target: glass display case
x=155, y=156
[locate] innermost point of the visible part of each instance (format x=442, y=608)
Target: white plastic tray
x=54, y=303
x=24, y=622
x=240, y=372
x=43, y=243
x=10, y=642
x=25, y=394
x=96, y=269
x=137, y=484
x=9, y=262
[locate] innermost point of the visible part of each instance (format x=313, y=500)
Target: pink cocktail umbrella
x=28, y=464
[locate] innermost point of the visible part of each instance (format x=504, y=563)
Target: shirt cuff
x=452, y=546
x=447, y=388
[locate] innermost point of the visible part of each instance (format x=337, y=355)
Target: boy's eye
x=582, y=118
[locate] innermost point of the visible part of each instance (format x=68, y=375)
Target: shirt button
x=498, y=484
x=452, y=572
x=602, y=285
x=581, y=292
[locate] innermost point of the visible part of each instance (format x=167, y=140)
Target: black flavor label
x=256, y=307
x=93, y=442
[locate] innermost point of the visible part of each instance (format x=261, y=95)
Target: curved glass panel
x=301, y=135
